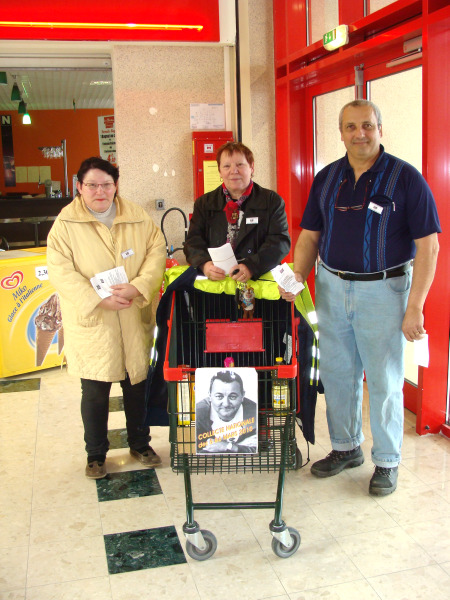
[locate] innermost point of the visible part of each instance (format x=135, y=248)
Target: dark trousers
x=95, y=412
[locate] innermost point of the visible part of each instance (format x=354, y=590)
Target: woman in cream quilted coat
x=107, y=340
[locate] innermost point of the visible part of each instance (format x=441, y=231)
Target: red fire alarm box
x=204, y=148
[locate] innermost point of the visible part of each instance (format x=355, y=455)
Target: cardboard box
x=186, y=439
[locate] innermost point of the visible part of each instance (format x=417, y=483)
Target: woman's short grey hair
x=356, y=103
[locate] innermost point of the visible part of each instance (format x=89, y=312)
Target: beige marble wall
x=262, y=91
x=153, y=87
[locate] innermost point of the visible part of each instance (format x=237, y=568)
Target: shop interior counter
x=26, y=220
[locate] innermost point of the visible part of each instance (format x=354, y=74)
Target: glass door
x=328, y=146
x=402, y=136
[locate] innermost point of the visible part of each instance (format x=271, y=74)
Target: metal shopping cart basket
x=205, y=329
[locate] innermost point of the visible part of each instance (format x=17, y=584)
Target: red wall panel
x=172, y=12
x=296, y=28
x=350, y=10
x=432, y=405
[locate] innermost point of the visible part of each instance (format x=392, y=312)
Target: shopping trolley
x=203, y=330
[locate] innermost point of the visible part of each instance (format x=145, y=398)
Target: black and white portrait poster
x=226, y=410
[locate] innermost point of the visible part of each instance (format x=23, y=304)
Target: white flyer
x=421, y=351
x=102, y=282
x=223, y=257
x=284, y=276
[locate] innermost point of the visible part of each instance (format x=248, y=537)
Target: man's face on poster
x=226, y=398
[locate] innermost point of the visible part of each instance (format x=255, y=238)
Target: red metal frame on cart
x=284, y=371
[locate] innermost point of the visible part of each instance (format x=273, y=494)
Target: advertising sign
x=31, y=330
x=107, y=138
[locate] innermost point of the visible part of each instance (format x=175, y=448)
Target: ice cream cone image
x=43, y=342
x=48, y=322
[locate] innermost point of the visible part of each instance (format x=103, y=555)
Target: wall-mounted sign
x=211, y=176
x=207, y=116
x=107, y=138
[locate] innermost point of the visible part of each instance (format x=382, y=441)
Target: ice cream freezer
x=31, y=331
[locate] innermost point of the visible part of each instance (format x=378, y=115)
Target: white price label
x=41, y=273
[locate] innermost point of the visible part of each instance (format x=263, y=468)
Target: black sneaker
x=337, y=461
x=384, y=481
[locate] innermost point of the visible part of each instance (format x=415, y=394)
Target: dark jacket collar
x=259, y=200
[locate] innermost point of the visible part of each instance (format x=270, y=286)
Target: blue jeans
x=360, y=331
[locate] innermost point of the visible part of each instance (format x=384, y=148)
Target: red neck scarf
x=232, y=206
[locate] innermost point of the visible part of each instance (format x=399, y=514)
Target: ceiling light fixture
x=15, y=93
x=22, y=108
x=26, y=119
x=71, y=25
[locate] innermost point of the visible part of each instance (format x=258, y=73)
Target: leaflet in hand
x=223, y=257
x=284, y=276
x=102, y=282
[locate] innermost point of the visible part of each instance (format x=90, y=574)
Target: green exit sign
x=329, y=36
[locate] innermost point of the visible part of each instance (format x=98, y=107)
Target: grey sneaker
x=337, y=461
x=384, y=481
x=147, y=457
x=95, y=470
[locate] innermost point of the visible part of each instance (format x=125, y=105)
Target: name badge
x=127, y=253
x=375, y=207
x=251, y=220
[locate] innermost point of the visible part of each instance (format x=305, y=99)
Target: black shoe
x=384, y=481
x=337, y=461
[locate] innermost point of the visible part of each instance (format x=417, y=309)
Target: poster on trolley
x=226, y=411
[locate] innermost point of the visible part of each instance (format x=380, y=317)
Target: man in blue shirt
x=368, y=215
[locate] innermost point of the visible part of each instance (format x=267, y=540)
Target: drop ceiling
x=58, y=77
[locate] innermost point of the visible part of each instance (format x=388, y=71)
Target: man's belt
x=395, y=272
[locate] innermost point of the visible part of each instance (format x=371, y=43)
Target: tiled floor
x=64, y=537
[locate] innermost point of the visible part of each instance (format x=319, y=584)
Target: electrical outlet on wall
x=160, y=204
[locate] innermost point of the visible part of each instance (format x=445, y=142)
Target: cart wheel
x=211, y=546
x=280, y=549
x=298, y=459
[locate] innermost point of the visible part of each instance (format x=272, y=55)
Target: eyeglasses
x=94, y=186
x=358, y=206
